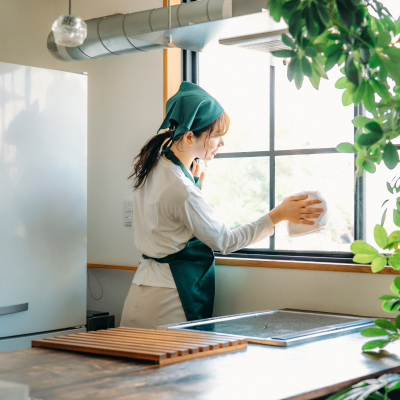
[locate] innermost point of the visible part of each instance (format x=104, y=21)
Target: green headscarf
x=190, y=109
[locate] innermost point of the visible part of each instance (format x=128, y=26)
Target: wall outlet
x=128, y=213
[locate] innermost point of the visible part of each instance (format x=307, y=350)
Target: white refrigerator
x=43, y=198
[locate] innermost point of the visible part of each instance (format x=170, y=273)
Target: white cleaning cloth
x=295, y=229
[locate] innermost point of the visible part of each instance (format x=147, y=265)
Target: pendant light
x=69, y=30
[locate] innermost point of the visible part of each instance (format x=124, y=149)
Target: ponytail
x=148, y=158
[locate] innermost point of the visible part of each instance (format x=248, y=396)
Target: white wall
x=124, y=109
x=243, y=289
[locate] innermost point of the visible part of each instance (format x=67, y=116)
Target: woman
x=174, y=227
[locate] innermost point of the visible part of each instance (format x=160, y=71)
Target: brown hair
x=150, y=153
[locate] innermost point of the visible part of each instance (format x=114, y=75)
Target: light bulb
x=69, y=30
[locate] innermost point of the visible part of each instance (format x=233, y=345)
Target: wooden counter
x=260, y=372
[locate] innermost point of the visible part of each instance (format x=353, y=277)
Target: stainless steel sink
x=279, y=327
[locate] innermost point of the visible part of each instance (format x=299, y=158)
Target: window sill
x=251, y=262
x=304, y=265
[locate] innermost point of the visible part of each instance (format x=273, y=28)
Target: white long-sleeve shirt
x=168, y=210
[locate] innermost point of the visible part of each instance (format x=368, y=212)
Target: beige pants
x=149, y=306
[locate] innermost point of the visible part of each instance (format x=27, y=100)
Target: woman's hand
x=296, y=209
x=196, y=172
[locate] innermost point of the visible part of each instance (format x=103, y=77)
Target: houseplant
x=363, y=39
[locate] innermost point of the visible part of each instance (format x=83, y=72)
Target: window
x=282, y=141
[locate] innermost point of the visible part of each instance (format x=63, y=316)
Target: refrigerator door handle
x=16, y=308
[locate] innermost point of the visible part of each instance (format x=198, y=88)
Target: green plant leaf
x=395, y=287
x=306, y=67
x=361, y=247
x=396, y=217
x=367, y=139
x=323, y=13
x=295, y=23
x=374, y=127
x=374, y=61
x=347, y=98
x=381, y=89
x=289, y=7
x=346, y=148
x=359, y=93
x=369, y=98
x=374, y=344
x=394, y=262
x=288, y=41
x=311, y=23
x=364, y=258
x=393, y=68
x=291, y=68
x=360, y=121
x=351, y=70
x=383, y=39
x=391, y=305
x=388, y=297
x=394, y=54
x=397, y=282
x=283, y=53
x=341, y=83
x=369, y=166
x=311, y=52
x=364, y=55
x=315, y=78
x=298, y=75
x=318, y=67
x=346, y=16
x=398, y=317
x=378, y=264
x=333, y=59
x=383, y=217
x=380, y=236
x=390, y=155
x=395, y=237
x=389, y=187
x=374, y=332
x=386, y=324
x=275, y=9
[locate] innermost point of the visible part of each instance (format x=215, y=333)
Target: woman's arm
x=199, y=218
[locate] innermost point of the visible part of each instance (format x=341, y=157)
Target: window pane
x=332, y=176
x=238, y=190
x=239, y=80
x=309, y=118
x=374, y=196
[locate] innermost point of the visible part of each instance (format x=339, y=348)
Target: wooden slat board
x=158, y=346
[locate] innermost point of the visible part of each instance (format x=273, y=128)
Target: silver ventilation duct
x=193, y=26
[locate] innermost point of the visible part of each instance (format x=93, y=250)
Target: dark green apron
x=193, y=268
